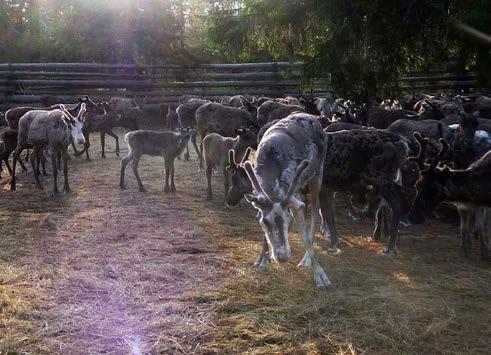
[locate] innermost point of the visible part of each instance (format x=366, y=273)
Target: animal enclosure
x=30, y=83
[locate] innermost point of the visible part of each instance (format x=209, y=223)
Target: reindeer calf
x=154, y=143
x=216, y=148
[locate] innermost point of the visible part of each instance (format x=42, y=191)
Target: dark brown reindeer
x=186, y=116
x=468, y=189
x=104, y=124
x=221, y=119
x=289, y=158
x=410, y=173
x=358, y=159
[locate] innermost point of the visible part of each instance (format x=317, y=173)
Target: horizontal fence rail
x=27, y=83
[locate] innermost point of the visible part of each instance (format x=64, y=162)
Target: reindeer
x=289, y=158
x=55, y=129
x=216, y=148
x=468, y=189
x=154, y=143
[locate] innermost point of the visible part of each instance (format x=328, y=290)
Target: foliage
x=365, y=45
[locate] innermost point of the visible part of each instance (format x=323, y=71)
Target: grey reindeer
x=55, y=130
x=154, y=143
x=290, y=157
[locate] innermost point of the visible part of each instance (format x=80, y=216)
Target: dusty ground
x=106, y=271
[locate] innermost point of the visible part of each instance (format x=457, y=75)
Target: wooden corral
x=27, y=83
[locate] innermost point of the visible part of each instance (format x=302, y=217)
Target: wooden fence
x=26, y=83
x=150, y=84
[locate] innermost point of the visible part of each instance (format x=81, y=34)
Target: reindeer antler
x=246, y=155
x=293, y=186
x=255, y=182
x=440, y=155
x=422, y=148
x=231, y=160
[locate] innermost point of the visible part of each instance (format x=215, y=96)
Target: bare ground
x=106, y=271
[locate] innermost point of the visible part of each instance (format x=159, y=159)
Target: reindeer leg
x=22, y=163
x=200, y=166
x=226, y=181
x=465, y=228
x=209, y=193
x=326, y=199
x=75, y=151
x=87, y=146
x=308, y=236
x=54, y=166
x=393, y=195
x=379, y=224
x=481, y=229
x=35, y=167
x=310, y=259
x=6, y=161
x=193, y=140
x=172, y=171
x=43, y=163
x=66, y=186
x=17, y=152
x=264, y=256
x=167, y=173
x=115, y=136
x=134, y=166
x=103, y=143
x=124, y=162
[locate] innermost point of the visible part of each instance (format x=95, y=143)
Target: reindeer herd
x=395, y=161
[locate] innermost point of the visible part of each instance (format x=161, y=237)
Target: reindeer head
x=274, y=215
x=431, y=190
x=251, y=108
x=468, y=124
x=241, y=185
x=310, y=105
x=75, y=123
x=91, y=106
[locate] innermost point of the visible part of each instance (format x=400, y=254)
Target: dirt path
x=106, y=271
x=114, y=271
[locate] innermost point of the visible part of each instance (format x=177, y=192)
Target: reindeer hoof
x=334, y=250
x=262, y=261
x=142, y=189
x=306, y=261
x=389, y=252
x=166, y=189
x=321, y=280
x=209, y=197
x=55, y=194
x=186, y=157
x=122, y=187
x=39, y=187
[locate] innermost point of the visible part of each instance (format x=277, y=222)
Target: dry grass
x=92, y=273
